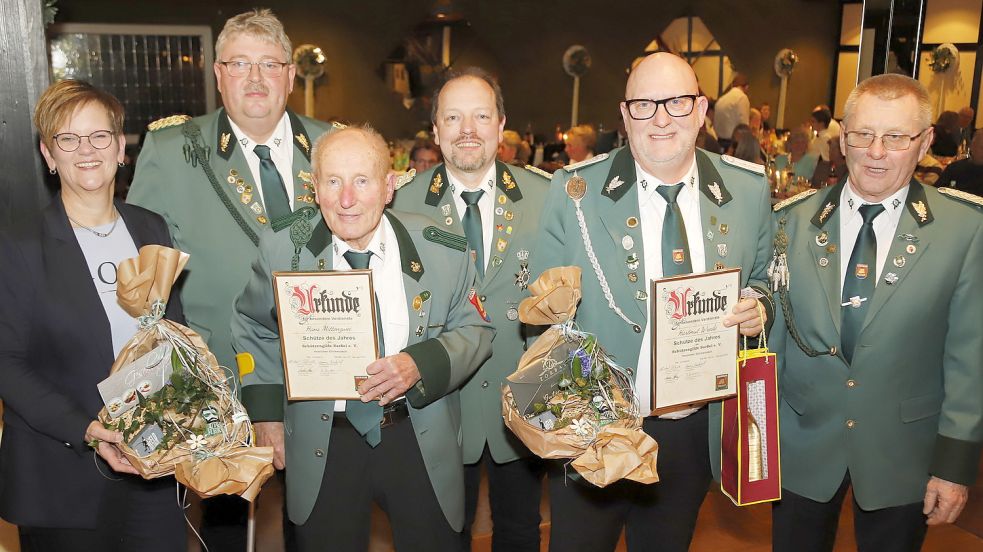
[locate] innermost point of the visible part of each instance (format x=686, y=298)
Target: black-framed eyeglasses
x=641, y=109
x=893, y=141
x=69, y=141
x=241, y=68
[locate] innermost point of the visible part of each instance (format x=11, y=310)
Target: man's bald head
x=662, y=65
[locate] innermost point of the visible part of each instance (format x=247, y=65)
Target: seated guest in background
x=754, y=121
x=819, y=120
x=60, y=331
x=424, y=155
x=802, y=163
x=508, y=148
x=966, y=124
x=580, y=143
x=745, y=145
x=928, y=169
x=765, y=110
x=732, y=109
x=947, y=135
x=398, y=445
x=829, y=173
x=523, y=156
x=834, y=125
x=966, y=174
x=880, y=362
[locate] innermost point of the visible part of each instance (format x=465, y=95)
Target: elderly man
x=732, y=108
x=658, y=208
x=219, y=180
x=880, y=360
x=399, y=445
x=508, y=148
x=580, y=143
x=498, y=207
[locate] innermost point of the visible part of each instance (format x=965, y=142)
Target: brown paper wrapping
x=621, y=449
x=142, y=282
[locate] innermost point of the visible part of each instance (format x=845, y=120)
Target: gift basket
x=569, y=399
x=167, y=395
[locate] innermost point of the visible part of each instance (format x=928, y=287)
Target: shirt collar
x=893, y=205
x=648, y=183
x=487, y=183
x=279, y=140
x=377, y=245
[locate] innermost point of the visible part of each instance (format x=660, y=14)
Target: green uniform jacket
x=735, y=222
x=520, y=195
x=911, y=404
x=170, y=181
x=448, y=344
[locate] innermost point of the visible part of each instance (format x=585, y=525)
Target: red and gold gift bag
x=750, y=463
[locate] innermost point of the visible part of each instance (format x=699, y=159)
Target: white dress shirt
x=884, y=226
x=731, y=109
x=486, y=205
x=281, y=151
x=651, y=211
x=387, y=280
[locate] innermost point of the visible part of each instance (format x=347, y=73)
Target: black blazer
x=55, y=346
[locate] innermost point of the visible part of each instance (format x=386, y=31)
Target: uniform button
x=319, y=452
x=483, y=298
x=832, y=351
x=484, y=384
x=325, y=417
x=851, y=383
x=67, y=445
x=850, y=424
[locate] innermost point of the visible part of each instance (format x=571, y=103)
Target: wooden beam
x=23, y=76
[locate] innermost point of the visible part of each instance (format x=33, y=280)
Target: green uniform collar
x=621, y=177
x=828, y=206
x=711, y=184
x=917, y=203
x=410, y=257
x=439, y=184
x=226, y=139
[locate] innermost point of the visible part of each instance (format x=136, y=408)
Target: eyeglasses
x=892, y=141
x=240, y=68
x=69, y=141
x=642, y=109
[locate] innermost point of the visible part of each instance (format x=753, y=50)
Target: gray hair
x=891, y=86
x=257, y=23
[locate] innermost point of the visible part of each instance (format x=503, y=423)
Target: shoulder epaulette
x=338, y=126
x=173, y=120
x=405, y=178
x=966, y=197
x=540, y=172
x=793, y=200
x=586, y=162
x=443, y=237
x=742, y=164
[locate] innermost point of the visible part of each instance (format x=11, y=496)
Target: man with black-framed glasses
x=881, y=353
x=659, y=207
x=221, y=181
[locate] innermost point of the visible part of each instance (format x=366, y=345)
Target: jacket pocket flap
x=917, y=408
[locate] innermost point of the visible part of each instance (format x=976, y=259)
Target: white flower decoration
x=582, y=427
x=197, y=442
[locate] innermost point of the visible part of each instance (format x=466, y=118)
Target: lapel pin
x=509, y=215
x=831, y=248
x=678, y=256
x=822, y=238
x=501, y=244
x=632, y=277
x=709, y=235
x=499, y=211
x=641, y=295
x=722, y=249
x=614, y=184
x=496, y=261
x=724, y=229
x=910, y=249
x=899, y=261
x=445, y=209
x=419, y=331
x=718, y=265
x=890, y=278
x=632, y=222
x=861, y=271
x=415, y=266
x=627, y=242
x=448, y=221
x=501, y=199
x=823, y=262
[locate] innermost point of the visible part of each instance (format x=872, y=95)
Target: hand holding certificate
x=693, y=354
x=327, y=330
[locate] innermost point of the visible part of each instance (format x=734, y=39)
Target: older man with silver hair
x=879, y=343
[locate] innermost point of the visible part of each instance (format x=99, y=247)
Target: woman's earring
x=121, y=164
x=53, y=171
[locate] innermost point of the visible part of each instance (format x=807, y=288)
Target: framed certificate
x=328, y=332
x=694, y=357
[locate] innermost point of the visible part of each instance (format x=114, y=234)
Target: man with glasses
x=659, y=207
x=881, y=356
x=223, y=180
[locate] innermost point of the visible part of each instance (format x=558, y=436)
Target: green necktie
x=365, y=417
x=274, y=194
x=675, y=246
x=860, y=281
x=472, y=229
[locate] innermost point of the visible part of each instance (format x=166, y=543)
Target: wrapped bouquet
x=170, y=399
x=569, y=399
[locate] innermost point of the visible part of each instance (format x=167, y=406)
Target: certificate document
x=327, y=332
x=694, y=357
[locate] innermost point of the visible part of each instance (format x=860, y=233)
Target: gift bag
x=569, y=399
x=750, y=461
x=170, y=399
